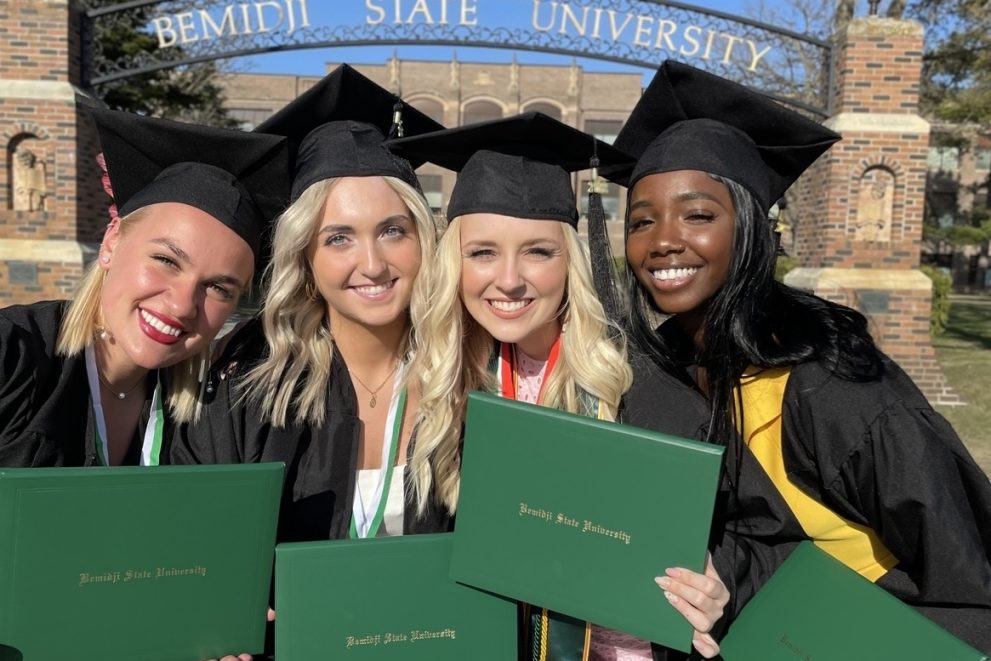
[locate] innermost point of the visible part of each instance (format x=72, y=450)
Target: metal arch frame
x=825, y=47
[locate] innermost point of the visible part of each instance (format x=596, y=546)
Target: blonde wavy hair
x=82, y=320
x=295, y=373
x=452, y=357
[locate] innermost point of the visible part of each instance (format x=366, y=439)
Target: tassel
x=603, y=267
x=396, y=130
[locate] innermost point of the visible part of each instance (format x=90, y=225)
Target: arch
x=481, y=109
x=430, y=106
x=546, y=106
x=875, y=204
x=214, y=30
x=27, y=173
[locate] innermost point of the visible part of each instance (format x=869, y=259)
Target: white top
x=392, y=519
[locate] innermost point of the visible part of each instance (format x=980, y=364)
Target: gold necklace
x=118, y=393
x=374, y=393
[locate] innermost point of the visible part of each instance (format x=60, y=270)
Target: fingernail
x=673, y=571
x=671, y=597
x=663, y=581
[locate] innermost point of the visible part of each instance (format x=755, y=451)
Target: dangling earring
x=101, y=330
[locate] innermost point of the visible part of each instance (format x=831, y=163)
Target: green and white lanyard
x=362, y=525
x=151, y=446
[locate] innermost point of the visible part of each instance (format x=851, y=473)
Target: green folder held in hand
x=579, y=515
x=157, y=563
x=815, y=607
x=385, y=598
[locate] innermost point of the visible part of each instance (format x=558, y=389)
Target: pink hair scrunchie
x=105, y=180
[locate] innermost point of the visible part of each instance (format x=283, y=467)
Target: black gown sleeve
x=45, y=412
x=878, y=454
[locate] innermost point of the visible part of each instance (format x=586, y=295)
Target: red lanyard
x=510, y=378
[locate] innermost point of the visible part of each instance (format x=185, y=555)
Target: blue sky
x=348, y=12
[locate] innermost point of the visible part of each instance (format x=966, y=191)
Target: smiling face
x=514, y=275
x=365, y=253
x=680, y=240
x=172, y=279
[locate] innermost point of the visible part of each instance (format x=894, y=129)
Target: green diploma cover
x=160, y=563
x=384, y=598
x=579, y=515
x=815, y=607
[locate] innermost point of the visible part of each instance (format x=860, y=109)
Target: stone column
x=52, y=207
x=858, y=212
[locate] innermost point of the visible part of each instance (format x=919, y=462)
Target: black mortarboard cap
x=239, y=178
x=516, y=166
x=337, y=129
x=689, y=119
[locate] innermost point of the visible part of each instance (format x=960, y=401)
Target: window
x=432, y=190
x=603, y=129
x=944, y=159
x=432, y=109
x=548, y=109
x=249, y=118
x=984, y=159
x=480, y=111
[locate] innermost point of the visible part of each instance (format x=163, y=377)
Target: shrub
x=939, y=314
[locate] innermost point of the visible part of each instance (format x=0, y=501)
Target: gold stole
x=856, y=546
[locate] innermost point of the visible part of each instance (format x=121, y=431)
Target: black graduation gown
x=877, y=454
x=318, y=490
x=46, y=414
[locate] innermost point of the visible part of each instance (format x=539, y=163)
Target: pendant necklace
x=374, y=393
x=119, y=394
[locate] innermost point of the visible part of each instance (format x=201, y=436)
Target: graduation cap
x=517, y=166
x=337, y=129
x=239, y=178
x=689, y=119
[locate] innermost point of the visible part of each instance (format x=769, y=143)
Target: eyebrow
x=490, y=243
x=682, y=197
x=176, y=250
x=183, y=256
x=344, y=229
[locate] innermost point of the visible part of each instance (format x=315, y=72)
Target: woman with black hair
x=827, y=439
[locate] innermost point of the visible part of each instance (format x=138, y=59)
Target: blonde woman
x=84, y=382
x=512, y=309
x=318, y=379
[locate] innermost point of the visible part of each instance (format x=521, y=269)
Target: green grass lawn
x=964, y=350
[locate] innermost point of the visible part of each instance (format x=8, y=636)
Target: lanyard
x=151, y=446
x=361, y=525
x=508, y=374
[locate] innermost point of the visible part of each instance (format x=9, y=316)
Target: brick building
x=457, y=93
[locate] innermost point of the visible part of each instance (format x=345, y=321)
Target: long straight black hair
x=755, y=320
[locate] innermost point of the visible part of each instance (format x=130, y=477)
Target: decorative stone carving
x=29, y=180
x=875, y=205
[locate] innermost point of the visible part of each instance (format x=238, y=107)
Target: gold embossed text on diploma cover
x=579, y=515
x=386, y=598
x=815, y=607
x=158, y=563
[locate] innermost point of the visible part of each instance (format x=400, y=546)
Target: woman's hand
x=700, y=598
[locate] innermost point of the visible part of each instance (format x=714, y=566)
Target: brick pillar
x=857, y=215
x=43, y=249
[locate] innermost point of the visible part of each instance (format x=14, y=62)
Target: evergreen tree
x=185, y=93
